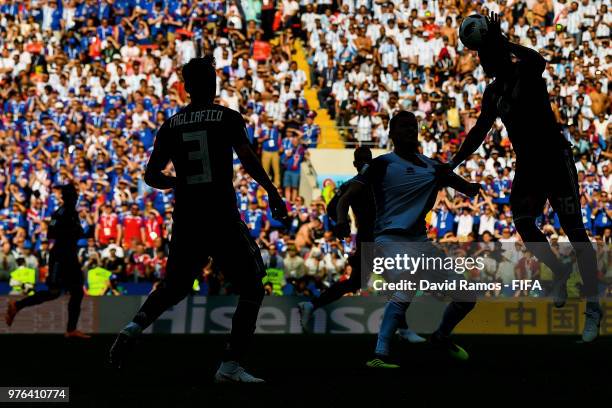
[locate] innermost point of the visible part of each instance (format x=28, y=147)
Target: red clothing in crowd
x=109, y=228
x=158, y=265
x=132, y=226
x=153, y=230
x=139, y=265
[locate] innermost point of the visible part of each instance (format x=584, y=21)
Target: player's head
x=495, y=61
x=200, y=79
x=362, y=156
x=403, y=131
x=69, y=195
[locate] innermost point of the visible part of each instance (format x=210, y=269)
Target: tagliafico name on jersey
x=206, y=115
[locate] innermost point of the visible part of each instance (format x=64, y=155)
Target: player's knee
x=401, y=298
x=174, y=290
x=76, y=294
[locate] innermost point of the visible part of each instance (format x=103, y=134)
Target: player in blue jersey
x=405, y=185
x=356, y=195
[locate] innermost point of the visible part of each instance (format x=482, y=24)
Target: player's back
x=523, y=104
x=65, y=230
x=199, y=140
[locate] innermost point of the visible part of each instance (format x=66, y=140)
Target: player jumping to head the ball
x=545, y=168
x=198, y=141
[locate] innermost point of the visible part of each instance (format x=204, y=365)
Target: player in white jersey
x=405, y=185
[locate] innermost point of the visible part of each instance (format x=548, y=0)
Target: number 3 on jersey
x=200, y=154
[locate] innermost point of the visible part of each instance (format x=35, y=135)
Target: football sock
x=393, y=316
x=453, y=314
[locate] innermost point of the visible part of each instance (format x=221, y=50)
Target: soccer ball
x=473, y=31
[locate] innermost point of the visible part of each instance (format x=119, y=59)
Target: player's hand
x=473, y=190
x=494, y=37
x=343, y=230
x=279, y=209
x=442, y=169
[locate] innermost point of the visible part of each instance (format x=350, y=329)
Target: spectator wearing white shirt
x=574, y=21
x=465, y=223
x=388, y=53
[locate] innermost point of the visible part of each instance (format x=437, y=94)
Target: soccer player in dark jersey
x=405, y=185
x=356, y=194
x=198, y=141
x=545, y=167
x=64, y=269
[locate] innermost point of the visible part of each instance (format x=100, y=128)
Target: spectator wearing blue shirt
x=155, y=19
x=603, y=214
x=52, y=15
x=587, y=213
x=489, y=188
x=502, y=187
x=590, y=185
x=255, y=219
x=445, y=220
x=292, y=160
x=310, y=131
x=270, y=145
x=113, y=99
x=104, y=30
x=243, y=200
x=273, y=223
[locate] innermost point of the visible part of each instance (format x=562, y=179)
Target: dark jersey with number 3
x=198, y=140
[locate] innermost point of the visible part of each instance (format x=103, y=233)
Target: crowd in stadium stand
x=86, y=83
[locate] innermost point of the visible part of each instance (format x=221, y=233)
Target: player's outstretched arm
x=529, y=58
x=450, y=179
x=343, y=226
x=253, y=166
x=158, y=161
x=462, y=185
x=479, y=132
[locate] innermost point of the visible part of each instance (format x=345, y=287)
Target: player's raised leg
x=527, y=201
x=566, y=202
x=13, y=307
x=181, y=270
x=335, y=292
